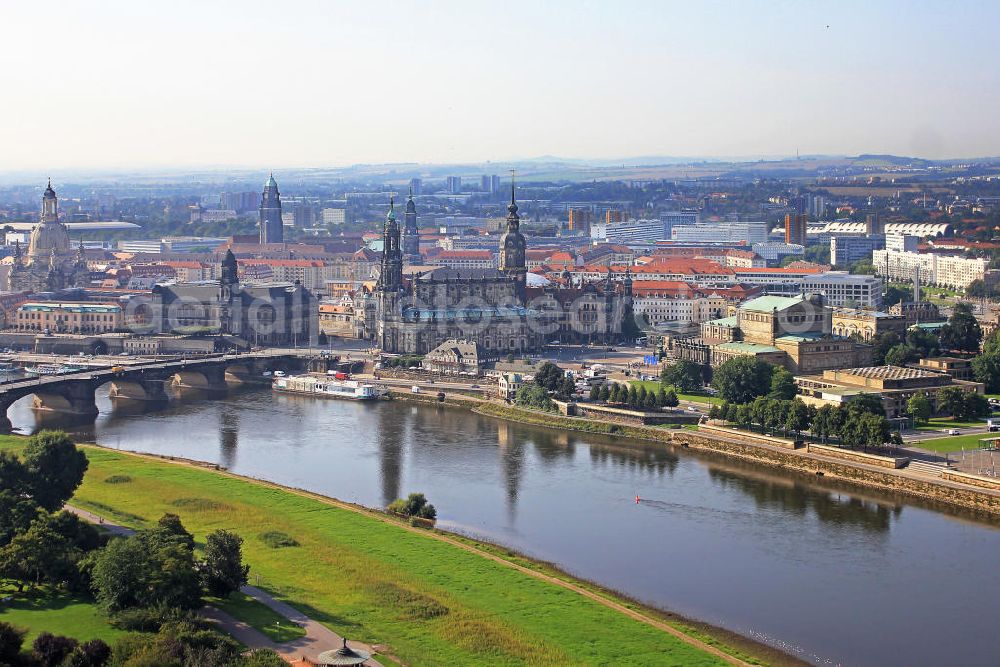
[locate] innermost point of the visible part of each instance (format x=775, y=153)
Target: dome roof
x=46, y=237
x=49, y=192
x=271, y=183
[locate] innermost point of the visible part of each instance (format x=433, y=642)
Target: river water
x=830, y=575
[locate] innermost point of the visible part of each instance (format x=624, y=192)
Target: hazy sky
x=321, y=83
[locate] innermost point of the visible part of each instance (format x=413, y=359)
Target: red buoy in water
x=637, y=500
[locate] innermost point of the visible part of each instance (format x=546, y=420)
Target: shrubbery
x=414, y=505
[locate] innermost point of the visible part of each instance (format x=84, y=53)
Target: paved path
x=318, y=637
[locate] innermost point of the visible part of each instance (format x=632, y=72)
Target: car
x=475, y=386
x=953, y=431
x=279, y=374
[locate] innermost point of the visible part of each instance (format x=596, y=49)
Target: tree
x=595, y=392
x=11, y=640
x=37, y=555
x=898, y=355
x=796, y=417
x=549, y=376
x=863, y=267
x=171, y=523
x=613, y=393
x=670, y=399
x=881, y=345
x=605, y=393
x=742, y=379
x=684, y=375
x=650, y=402
x=924, y=343
x=661, y=398
x=148, y=569
x=533, y=396
x=822, y=423
x=894, y=294
x=951, y=400
x=50, y=650
x=871, y=403
x=783, y=385
x=920, y=408
x=633, y=396
x=54, y=467
x=567, y=388
x=223, y=570
x=716, y=411
x=986, y=369
x=874, y=429
x=94, y=653
x=975, y=406
x=962, y=332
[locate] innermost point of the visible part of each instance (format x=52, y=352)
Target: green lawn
x=653, y=385
x=376, y=581
x=258, y=615
x=56, y=612
x=953, y=443
x=943, y=423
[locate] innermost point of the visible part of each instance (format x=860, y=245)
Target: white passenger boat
x=327, y=387
x=52, y=369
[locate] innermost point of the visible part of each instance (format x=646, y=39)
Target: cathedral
x=51, y=264
x=495, y=308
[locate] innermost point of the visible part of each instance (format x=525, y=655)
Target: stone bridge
x=74, y=393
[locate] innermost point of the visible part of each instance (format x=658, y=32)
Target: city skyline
x=129, y=85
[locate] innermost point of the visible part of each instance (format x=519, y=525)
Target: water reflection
x=784, y=556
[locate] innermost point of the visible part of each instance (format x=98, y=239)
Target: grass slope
x=953, y=443
x=378, y=582
x=259, y=616
x=58, y=613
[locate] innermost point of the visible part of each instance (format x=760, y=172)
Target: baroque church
x=496, y=308
x=51, y=263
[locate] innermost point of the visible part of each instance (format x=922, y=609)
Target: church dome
x=46, y=237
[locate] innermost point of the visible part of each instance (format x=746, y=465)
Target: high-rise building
x=580, y=219
x=417, y=186
x=494, y=184
x=614, y=215
x=795, y=228
x=454, y=185
x=241, y=202
x=271, y=227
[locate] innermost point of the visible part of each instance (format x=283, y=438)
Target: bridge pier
x=139, y=389
x=75, y=397
x=207, y=377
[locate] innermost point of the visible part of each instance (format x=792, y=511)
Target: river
x=827, y=574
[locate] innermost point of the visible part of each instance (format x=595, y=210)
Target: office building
x=795, y=229
x=901, y=242
x=950, y=271
x=845, y=250
x=417, y=186
x=580, y=220
x=845, y=290
x=750, y=232
x=454, y=185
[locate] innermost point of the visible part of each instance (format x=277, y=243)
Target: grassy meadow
x=373, y=579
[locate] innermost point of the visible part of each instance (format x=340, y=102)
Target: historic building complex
x=51, y=263
x=414, y=312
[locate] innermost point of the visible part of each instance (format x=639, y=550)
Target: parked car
x=953, y=431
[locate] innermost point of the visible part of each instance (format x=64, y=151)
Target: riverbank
x=940, y=491
x=431, y=597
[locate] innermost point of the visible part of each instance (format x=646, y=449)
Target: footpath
x=317, y=638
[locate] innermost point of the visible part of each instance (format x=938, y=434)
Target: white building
x=631, y=231
x=334, y=216
x=843, y=289
x=901, y=242
x=659, y=308
x=774, y=251
x=950, y=271
x=730, y=232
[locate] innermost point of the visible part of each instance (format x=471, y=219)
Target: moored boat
x=327, y=387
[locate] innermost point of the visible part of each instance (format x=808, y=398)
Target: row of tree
x=953, y=401
x=631, y=397
x=861, y=423
x=742, y=379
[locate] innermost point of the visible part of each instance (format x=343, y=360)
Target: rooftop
x=767, y=304
x=746, y=348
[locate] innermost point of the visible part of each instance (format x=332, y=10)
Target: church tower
x=411, y=236
x=271, y=228
x=512, y=246
x=50, y=205
x=390, y=278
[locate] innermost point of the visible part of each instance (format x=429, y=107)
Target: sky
x=303, y=83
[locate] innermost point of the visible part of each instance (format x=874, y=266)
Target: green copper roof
x=725, y=321
x=271, y=183
x=746, y=348
x=767, y=304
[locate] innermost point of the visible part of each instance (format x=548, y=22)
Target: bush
x=415, y=505
x=50, y=650
x=278, y=540
x=117, y=479
x=94, y=653
x=421, y=522
x=11, y=639
x=150, y=619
